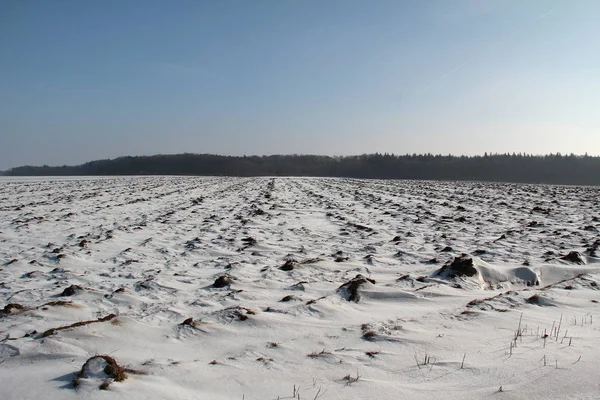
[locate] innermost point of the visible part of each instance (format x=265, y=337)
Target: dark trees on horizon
x=551, y=169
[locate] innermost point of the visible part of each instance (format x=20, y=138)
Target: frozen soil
x=267, y=288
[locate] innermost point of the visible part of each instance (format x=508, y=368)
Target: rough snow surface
x=266, y=288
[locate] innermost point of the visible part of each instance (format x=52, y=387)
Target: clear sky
x=83, y=80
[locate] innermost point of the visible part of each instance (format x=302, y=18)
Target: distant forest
x=552, y=169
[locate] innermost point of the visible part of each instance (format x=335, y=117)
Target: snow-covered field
x=141, y=257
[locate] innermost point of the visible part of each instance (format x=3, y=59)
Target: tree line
x=521, y=168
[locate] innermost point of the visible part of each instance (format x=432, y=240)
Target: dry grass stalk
x=76, y=324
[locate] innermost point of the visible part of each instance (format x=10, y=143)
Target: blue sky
x=83, y=80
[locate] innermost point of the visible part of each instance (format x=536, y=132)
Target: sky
x=86, y=80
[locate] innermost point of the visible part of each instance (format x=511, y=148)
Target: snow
x=148, y=249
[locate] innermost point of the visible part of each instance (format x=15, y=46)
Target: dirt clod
x=71, y=290
x=223, y=281
x=289, y=265
x=460, y=267
x=573, y=257
x=350, y=288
